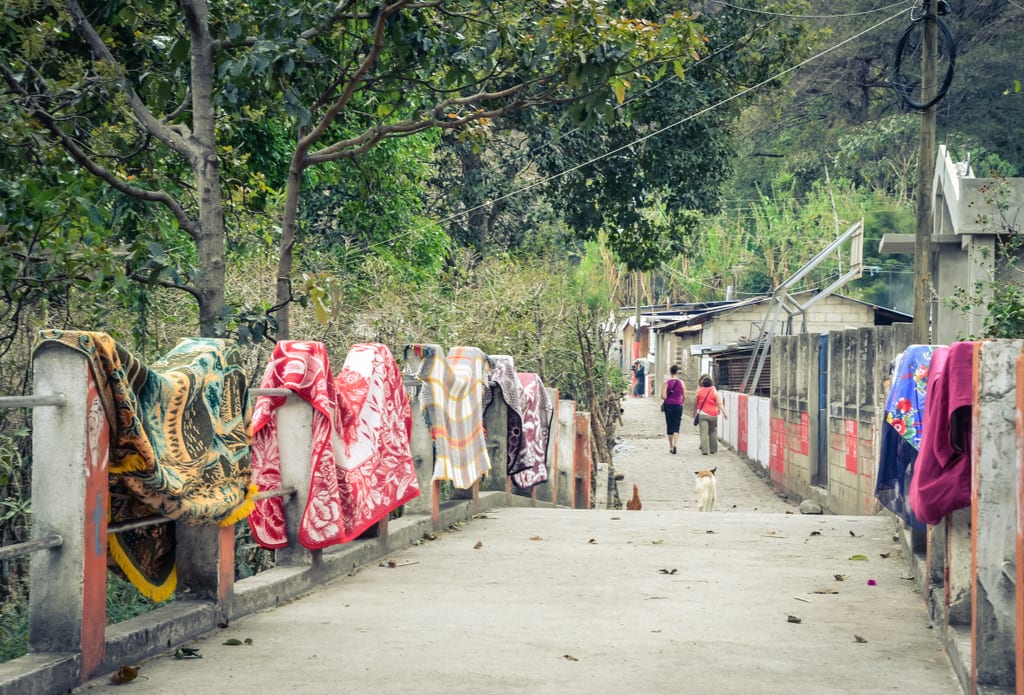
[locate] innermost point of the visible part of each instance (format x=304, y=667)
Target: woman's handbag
x=696, y=414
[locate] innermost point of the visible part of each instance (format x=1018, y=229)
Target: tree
x=138, y=92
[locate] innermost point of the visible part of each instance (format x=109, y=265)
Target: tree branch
x=185, y=221
x=175, y=137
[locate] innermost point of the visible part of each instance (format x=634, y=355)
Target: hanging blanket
x=303, y=368
x=901, y=431
x=179, y=446
x=942, y=474
x=452, y=402
x=376, y=473
x=503, y=377
x=532, y=455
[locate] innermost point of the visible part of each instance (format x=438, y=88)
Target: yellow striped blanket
x=452, y=401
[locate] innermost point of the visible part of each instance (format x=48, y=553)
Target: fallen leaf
x=839, y=577
x=884, y=555
x=479, y=544
x=430, y=536
x=248, y=640
x=125, y=674
x=187, y=653
x=815, y=533
x=665, y=571
x=569, y=657
x=825, y=591
x=592, y=540
x=233, y=642
x=793, y=619
x=859, y=640
x=536, y=538
x=657, y=542
x=860, y=558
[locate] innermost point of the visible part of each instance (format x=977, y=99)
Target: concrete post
x=994, y=520
x=496, y=427
x=295, y=447
x=565, y=414
x=549, y=491
x=422, y=446
x=71, y=445
x=205, y=562
x=1019, y=494
x=582, y=462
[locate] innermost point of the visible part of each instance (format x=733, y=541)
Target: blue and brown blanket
x=179, y=445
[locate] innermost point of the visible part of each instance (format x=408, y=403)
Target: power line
x=809, y=16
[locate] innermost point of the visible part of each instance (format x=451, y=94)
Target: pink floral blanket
x=361, y=467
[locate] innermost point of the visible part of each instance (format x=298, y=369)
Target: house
x=720, y=339
x=971, y=220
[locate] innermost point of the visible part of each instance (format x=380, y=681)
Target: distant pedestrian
x=673, y=395
x=709, y=404
x=640, y=373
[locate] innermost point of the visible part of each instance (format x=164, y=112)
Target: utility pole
x=926, y=172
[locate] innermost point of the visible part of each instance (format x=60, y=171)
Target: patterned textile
x=942, y=475
x=376, y=473
x=901, y=431
x=452, y=402
x=361, y=466
x=532, y=457
x=503, y=376
x=179, y=445
x=529, y=421
x=303, y=368
x=904, y=408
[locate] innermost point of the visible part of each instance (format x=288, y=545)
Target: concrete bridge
x=752, y=598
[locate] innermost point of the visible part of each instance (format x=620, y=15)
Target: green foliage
x=13, y=622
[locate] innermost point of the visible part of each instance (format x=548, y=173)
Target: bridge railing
x=69, y=639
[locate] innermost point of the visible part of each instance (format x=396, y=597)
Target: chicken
x=634, y=501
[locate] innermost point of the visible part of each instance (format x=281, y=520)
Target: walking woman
x=673, y=394
x=709, y=404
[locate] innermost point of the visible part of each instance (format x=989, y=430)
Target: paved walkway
x=752, y=598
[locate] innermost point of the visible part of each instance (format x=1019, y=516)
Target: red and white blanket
x=361, y=467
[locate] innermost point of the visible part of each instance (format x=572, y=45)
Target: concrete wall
x=782, y=433
x=970, y=566
x=831, y=313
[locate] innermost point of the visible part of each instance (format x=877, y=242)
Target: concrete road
x=751, y=598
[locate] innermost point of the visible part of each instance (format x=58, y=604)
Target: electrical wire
x=648, y=136
x=752, y=10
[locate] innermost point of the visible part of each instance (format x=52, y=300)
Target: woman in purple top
x=673, y=393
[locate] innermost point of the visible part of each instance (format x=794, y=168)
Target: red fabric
x=376, y=473
x=361, y=466
x=707, y=400
x=303, y=368
x=941, y=481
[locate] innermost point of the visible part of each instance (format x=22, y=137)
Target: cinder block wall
x=849, y=419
